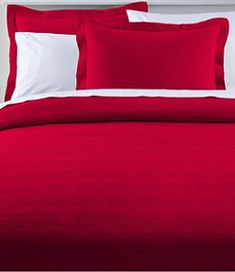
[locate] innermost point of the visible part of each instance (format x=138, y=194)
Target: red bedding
x=117, y=184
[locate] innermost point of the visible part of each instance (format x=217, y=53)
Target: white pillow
x=138, y=16
x=45, y=63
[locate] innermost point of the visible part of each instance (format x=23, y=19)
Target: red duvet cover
x=117, y=184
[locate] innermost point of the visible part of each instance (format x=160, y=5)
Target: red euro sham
x=153, y=55
x=22, y=19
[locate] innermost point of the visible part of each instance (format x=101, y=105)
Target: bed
x=103, y=180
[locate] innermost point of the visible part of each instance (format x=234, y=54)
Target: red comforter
x=117, y=184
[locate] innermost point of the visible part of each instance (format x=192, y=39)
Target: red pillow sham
x=153, y=55
x=22, y=19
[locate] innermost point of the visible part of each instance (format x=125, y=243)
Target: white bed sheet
x=230, y=94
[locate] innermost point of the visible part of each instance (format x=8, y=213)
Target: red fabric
x=53, y=21
x=181, y=57
x=108, y=109
x=81, y=191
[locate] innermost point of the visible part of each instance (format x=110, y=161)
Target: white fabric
x=138, y=16
x=230, y=94
x=45, y=62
